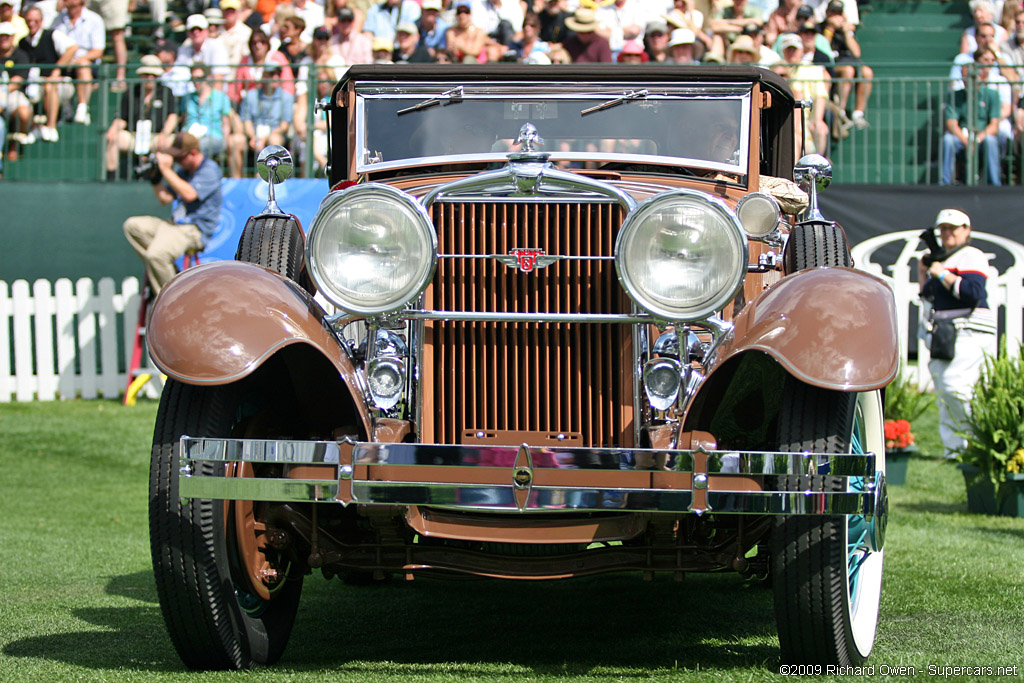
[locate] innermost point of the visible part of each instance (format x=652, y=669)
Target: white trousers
x=954, y=384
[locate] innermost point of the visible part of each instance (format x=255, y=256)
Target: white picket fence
x=60, y=340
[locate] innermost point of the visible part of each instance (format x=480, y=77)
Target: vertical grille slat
x=518, y=382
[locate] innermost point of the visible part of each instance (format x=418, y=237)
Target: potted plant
x=992, y=460
x=904, y=403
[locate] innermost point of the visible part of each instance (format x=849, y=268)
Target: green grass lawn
x=77, y=599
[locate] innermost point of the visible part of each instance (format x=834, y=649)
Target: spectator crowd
x=235, y=73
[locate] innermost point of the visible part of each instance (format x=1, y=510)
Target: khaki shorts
x=114, y=12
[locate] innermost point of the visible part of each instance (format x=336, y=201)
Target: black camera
x=935, y=251
x=147, y=169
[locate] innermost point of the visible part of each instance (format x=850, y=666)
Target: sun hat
x=150, y=64
x=583, y=21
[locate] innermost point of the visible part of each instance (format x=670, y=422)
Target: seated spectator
x=656, y=40
x=176, y=76
x=622, y=20
x=782, y=20
x=587, y=46
x=501, y=20
x=292, y=45
x=531, y=43
x=632, y=52
x=251, y=68
x=1009, y=16
x=266, y=117
x=352, y=46
x=729, y=22
x=383, y=17
x=1013, y=48
x=335, y=6
x=465, y=39
x=742, y=51
x=840, y=34
x=201, y=48
x=14, y=66
x=312, y=15
x=215, y=18
x=207, y=112
x=552, y=22
x=983, y=130
x=148, y=118
x=766, y=56
x=431, y=27
x=382, y=49
x=683, y=15
x=234, y=34
x=320, y=61
x=46, y=48
x=999, y=79
x=681, y=47
x=85, y=29
x=408, y=47
x=984, y=13
x=9, y=16
x=808, y=83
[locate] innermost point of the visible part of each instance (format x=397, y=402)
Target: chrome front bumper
x=534, y=479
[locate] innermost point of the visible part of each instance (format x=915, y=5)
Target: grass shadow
x=618, y=624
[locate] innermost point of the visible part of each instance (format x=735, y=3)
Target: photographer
x=148, y=118
x=953, y=278
x=194, y=188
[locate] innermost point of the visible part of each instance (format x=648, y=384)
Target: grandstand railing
x=902, y=144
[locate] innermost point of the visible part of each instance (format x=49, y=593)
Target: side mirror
x=274, y=164
x=813, y=173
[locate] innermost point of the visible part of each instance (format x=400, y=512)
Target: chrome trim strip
x=807, y=472
x=486, y=316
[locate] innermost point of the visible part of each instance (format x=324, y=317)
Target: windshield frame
x=583, y=94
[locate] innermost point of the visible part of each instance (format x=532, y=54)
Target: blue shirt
x=381, y=20
x=269, y=110
x=208, y=114
x=204, y=212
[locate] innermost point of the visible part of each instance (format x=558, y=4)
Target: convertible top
x=598, y=73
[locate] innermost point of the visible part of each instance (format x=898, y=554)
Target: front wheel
x=227, y=597
x=827, y=581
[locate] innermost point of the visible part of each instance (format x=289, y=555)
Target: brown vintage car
x=548, y=322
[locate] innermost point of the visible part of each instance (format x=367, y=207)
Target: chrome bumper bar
x=533, y=479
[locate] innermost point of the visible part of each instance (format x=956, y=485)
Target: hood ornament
x=529, y=139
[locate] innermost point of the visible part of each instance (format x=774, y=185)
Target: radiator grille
x=507, y=383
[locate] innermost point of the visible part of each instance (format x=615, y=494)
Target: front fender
x=833, y=328
x=217, y=323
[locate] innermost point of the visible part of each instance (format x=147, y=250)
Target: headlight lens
x=681, y=255
x=371, y=249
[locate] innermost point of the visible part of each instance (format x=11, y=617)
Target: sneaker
x=82, y=114
x=858, y=121
x=28, y=138
x=17, y=137
x=48, y=134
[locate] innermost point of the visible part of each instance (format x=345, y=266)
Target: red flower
x=898, y=435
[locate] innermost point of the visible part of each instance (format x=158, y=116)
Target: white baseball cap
x=952, y=217
x=196, y=21
x=6, y=28
x=682, y=36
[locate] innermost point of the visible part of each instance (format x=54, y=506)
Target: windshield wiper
x=631, y=95
x=448, y=96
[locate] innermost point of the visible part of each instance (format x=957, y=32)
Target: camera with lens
x=147, y=169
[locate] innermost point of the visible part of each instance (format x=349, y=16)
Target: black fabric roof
x=626, y=73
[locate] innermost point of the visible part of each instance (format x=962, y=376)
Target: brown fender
x=219, y=322
x=834, y=328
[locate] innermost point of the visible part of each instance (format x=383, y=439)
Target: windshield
x=706, y=127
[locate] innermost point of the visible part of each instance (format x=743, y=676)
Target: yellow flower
x=1015, y=465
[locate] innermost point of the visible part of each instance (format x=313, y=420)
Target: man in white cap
x=953, y=282
x=200, y=47
x=680, y=46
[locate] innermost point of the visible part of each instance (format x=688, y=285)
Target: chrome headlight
x=759, y=214
x=371, y=249
x=681, y=255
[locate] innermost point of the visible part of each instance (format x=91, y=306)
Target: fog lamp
x=662, y=379
x=386, y=377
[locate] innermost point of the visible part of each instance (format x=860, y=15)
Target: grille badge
x=526, y=260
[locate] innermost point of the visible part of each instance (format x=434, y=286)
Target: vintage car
x=548, y=322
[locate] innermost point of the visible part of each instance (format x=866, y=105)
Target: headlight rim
x=423, y=222
x=738, y=233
